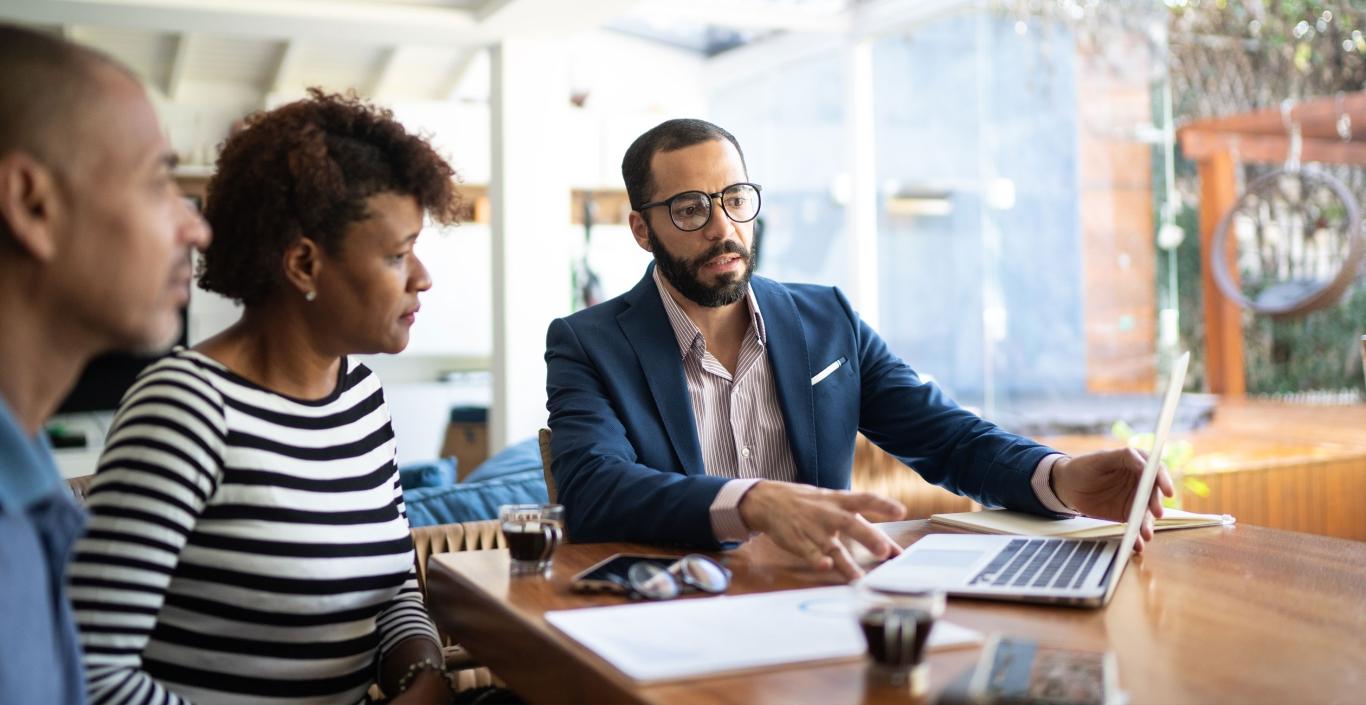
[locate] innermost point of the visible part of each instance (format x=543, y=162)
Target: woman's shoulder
x=181, y=369
x=358, y=375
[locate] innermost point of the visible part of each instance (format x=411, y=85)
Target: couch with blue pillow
x=512, y=476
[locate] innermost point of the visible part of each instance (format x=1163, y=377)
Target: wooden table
x=1213, y=615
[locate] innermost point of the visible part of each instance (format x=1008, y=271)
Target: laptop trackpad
x=924, y=568
x=939, y=558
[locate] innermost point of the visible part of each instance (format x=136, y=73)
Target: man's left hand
x=1102, y=485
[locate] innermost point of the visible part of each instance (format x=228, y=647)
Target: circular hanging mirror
x=1297, y=243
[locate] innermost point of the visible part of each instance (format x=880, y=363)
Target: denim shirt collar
x=27, y=469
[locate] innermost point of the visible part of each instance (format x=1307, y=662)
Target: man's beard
x=683, y=274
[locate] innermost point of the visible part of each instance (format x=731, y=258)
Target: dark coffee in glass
x=532, y=532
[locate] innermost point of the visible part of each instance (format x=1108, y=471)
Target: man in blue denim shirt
x=94, y=256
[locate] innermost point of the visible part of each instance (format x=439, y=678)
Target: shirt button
x=745, y=451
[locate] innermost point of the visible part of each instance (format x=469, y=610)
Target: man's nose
x=720, y=226
x=194, y=229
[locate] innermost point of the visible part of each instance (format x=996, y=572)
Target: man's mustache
x=728, y=247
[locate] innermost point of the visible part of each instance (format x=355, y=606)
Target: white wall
x=629, y=86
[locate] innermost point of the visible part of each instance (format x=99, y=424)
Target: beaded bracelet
x=416, y=667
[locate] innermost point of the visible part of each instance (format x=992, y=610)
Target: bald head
x=48, y=82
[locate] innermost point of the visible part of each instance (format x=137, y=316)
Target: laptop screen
x=1145, y=482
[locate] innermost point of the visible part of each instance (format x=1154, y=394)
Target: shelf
x=610, y=206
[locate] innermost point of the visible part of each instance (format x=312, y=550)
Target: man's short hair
x=667, y=136
x=46, y=83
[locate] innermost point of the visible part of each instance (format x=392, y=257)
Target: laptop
x=1078, y=572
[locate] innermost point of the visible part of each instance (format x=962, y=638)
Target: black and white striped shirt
x=244, y=547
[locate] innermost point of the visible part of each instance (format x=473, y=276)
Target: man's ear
x=303, y=263
x=29, y=204
x=640, y=230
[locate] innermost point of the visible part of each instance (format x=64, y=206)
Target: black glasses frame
x=711, y=199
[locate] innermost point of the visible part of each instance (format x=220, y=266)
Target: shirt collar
x=27, y=470
x=686, y=332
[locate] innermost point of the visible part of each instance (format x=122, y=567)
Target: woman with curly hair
x=248, y=541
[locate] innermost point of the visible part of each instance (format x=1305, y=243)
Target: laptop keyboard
x=1041, y=563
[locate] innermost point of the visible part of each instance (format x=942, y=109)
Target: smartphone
x=609, y=574
x=1016, y=671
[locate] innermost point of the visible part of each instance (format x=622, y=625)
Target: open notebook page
x=1004, y=521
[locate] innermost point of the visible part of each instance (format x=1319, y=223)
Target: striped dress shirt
x=739, y=422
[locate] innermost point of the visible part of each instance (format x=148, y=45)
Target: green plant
x=1176, y=456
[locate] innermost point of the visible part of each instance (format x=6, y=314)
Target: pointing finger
x=875, y=507
x=843, y=562
x=877, y=543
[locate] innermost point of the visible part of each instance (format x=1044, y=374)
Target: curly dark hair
x=306, y=169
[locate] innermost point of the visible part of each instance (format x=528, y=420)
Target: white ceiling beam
x=456, y=76
x=382, y=77
x=286, y=54
x=175, y=71
x=346, y=22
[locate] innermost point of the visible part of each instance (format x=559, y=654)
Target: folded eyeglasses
x=651, y=581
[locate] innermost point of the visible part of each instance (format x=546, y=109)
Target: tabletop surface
x=1218, y=614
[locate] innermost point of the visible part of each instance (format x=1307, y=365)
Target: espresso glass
x=533, y=532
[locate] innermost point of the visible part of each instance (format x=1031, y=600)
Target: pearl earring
x=310, y=296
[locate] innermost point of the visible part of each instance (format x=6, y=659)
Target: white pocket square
x=829, y=370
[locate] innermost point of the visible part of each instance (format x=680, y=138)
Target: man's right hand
x=809, y=521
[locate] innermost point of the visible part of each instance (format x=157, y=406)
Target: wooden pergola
x=1217, y=146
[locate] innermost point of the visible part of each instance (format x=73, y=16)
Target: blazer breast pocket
x=829, y=370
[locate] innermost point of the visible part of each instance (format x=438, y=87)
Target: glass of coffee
x=533, y=531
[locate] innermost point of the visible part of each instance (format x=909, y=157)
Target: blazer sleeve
x=948, y=445
x=607, y=493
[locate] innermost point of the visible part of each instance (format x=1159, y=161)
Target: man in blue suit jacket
x=707, y=404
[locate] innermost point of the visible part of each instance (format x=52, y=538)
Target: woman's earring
x=310, y=296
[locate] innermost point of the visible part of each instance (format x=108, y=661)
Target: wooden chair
x=545, y=464
x=445, y=538
x=80, y=487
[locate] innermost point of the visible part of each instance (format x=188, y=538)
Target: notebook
x=1004, y=521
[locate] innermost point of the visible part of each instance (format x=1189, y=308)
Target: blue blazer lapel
x=791, y=367
x=647, y=329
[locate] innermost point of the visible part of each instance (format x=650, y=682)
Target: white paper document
x=671, y=640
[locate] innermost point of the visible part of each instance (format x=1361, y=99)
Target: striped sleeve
x=161, y=463
x=406, y=615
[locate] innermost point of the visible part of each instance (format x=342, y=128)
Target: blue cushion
x=474, y=501
x=433, y=473
x=515, y=458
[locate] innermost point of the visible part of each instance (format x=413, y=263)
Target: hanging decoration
x=1297, y=236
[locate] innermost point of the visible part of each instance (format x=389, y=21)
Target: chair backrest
x=447, y=538
x=545, y=465
x=80, y=487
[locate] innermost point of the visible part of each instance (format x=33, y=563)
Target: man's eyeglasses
x=695, y=571
x=691, y=210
